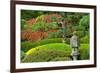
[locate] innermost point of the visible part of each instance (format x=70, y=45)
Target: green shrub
x=55, y=52
x=84, y=22
x=80, y=33
x=39, y=26
x=62, y=59
x=84, y=52
x=25, y=46
x=45, y=56
x=47, y=41
x=23, y=24
x=54, y=35
x=68, y=40
x=48, y=52
x=22, y=55
x=40, y=18
x=85, y=40
x=54, y=46
x=53, y=25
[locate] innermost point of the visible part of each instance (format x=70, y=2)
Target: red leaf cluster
x=33, y=36
x=31, y=22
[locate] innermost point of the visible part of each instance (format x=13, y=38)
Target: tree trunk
x=64, y=31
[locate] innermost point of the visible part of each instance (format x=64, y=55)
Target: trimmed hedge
x=52, y=46
x=48, y=52
x=25, y=46
x=55, y=52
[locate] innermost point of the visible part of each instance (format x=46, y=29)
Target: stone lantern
x=74, y=42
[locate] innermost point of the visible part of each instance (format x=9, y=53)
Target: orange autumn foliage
x=33, y=36
x=31, y=22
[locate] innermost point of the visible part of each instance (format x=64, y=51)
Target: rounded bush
x=55, y=52
x=48, y=52
x=25, y=46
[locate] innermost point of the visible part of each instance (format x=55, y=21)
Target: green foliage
x=45, y=56
x=40, y=18
x=29, y=14
x=52, y=48
x=64, y=16
x=78, y=27
x=69, y=30
x=53, y=18
x=54, y=52
x=53, y=35
x=25, y=46
x=67, y=40
x=22, y=55
x=84, y=52
x=26, y=14
x=53, y=25
x=48, y=52
x=40, y=26
x=61, y=59
x=57, y=34
x=85, y=39
x=23, y=24
x=80, y=33
x=84, y=22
